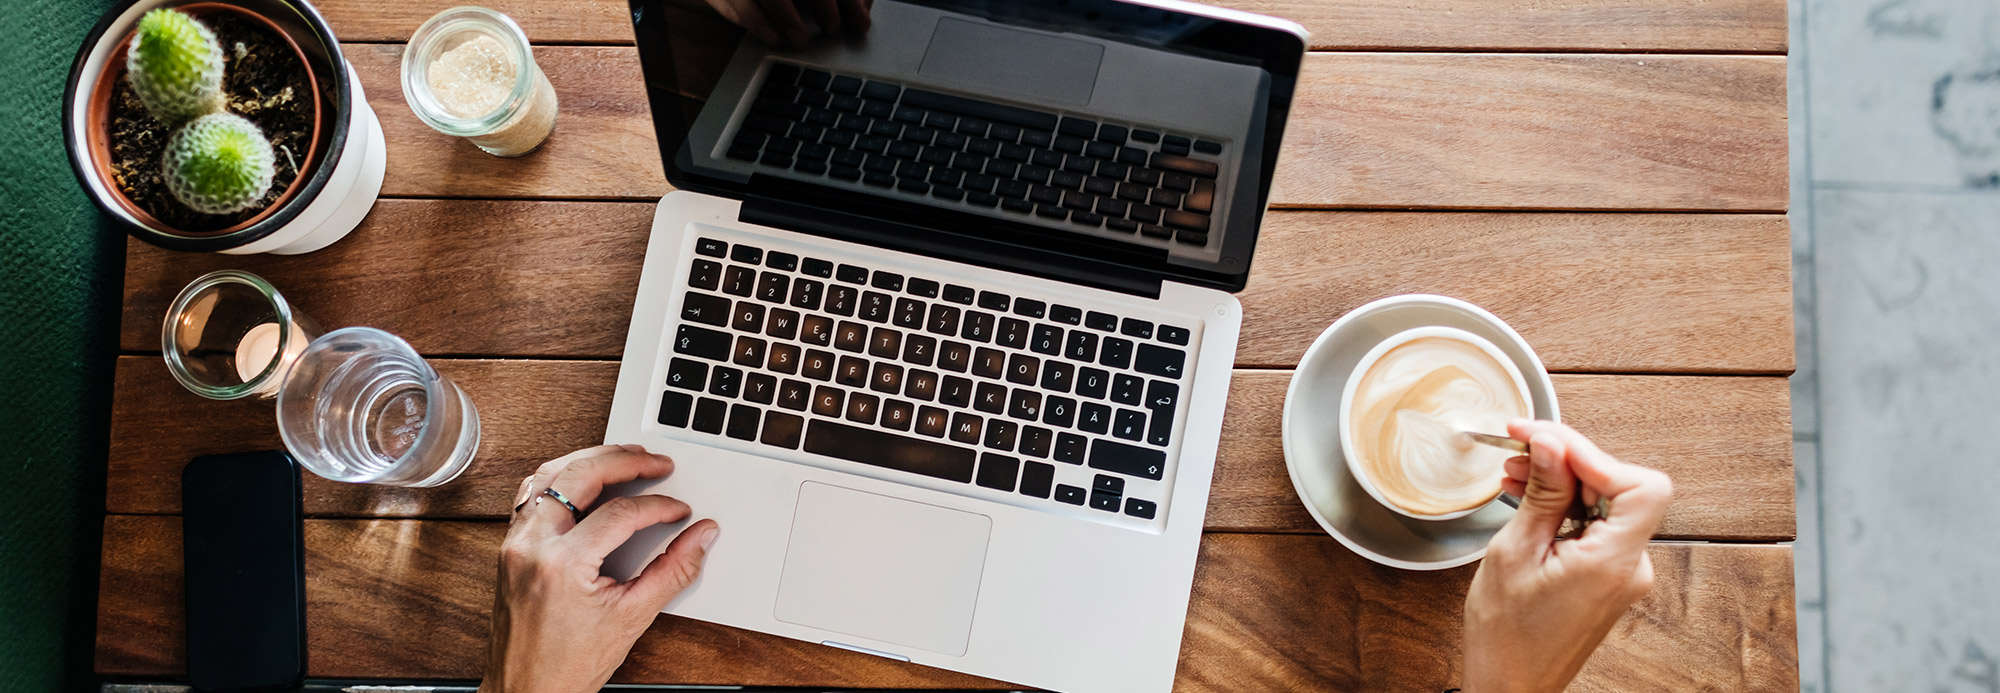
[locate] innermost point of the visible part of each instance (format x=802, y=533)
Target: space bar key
x=890, y=451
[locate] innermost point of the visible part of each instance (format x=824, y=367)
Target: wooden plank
x=402, y=598
x=1592, y=292
x=1598, y=25
x=1369, y=130
x=1725, y=441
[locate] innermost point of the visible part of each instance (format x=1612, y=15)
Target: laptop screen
x=1137, y=134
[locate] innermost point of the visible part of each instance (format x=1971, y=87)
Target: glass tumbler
x=469, y=72
x=230, y=335
x=361, y=406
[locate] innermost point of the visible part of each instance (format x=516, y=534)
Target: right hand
x=780, y=23
x=1538, y=606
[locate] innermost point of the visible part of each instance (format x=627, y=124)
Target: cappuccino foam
x=1406, y=415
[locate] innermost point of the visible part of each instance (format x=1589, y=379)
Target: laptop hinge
x=1049, y=259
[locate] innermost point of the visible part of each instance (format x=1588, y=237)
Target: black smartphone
x=243, y=531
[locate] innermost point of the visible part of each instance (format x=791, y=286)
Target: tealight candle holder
x=231, y=335
x=469, y=72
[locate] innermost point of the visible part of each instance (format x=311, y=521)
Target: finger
x=610, y=525
x=825, y=15
x=584, y=480
x=1550, y=490
x=1513, y=487
x=674, y=571
x=750, y=16
x=1637, y=497
x=854, y=15
x=521, y=494
x=785, y=21
x=1516, y=468
x=546, y=474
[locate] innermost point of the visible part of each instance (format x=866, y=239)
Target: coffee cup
x=1403, y=407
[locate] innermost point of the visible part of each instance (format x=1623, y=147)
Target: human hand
x=779, y=22
x=559, y=626
x=1538, y=607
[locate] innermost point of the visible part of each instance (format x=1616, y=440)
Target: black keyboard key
x=1067, y=180
x=703, y=342
x=1035, y=441
x=674, y=408
x=748, y=255
x=955, y=356
x=1155, y=230
x=816, y=330
x=851, y=372
x=1023, y=369
x=1066, y=493
x=896, y=414
x=1125, y=225
x=979, y=109
x=852, y=274
x=828, y=401
x=686, y=374
x=948, y=193
x=909, y=313
x=1013, y=333
x=1048, y=339
x=1161, y=361
x=709, y=415
x=1100, y=321
x=955, y=392
x=784, y=358
x=1146, y=176
x=806, y=293
x=1038, y=138
x=875, y=307
x=978, y=326
x=1160, y=399
x=885, y=343
x=760, y=387
x=1147, y=136
x=817, y=267
x=958, y=294
x=922, y=385
x=781, y=261
x=1036, y=478
x=881, y=91
x=1191, y=237
x=1131, y=460
x=965, y=428
x=880, y=180
x=1131, y=156
x=1078, y=127
x=1025, y=405
x=932, y=421
x=919, y=349
x=739, y=281
x=1070, y=448
x=749, y=352
x=1186, y=220
x=982, y=199
x=1057, y=375
x=841, y=300
x=1202, y=199
x=1091, y=382
x=1207, y=147
x=747, y=317
x=1164, y=198
x=1174, y=335
x=1066, y=314
x=710, y=247
x=1131, y=327
x=1092, y=417
x=1087, y=218
x=795, y=395
x=890, y=451
x=888, y=281
x=1140, y=508
x=1022, y=206
x=1101, y=500
x=943, y=320
x=782, y=429
x=989, y=363
x=887, y=378
x=912, y=186
x=1128, y=389
x=923, y=287
x=705, y=309
x=861, y=408
x=1108, y=484
x=1117, y=353
x=704, y=274
x=772, y=287
x=725, y=381
x=1082, y=346
x=1129, y=424
x=998, y=471
x=818, y=365
x=743, y=420
x=1059, y=412
x=1000, y=434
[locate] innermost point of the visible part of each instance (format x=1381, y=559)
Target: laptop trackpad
x=883, y=568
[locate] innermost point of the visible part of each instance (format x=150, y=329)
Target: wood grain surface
x=1369, y=130
x=404, y=598
x=1659, y=293
x=1737, y=26
x=1725, y=442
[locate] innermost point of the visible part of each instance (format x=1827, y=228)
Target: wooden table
x=1609, y=176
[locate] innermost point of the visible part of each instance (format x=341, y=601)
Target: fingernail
x=708, y=537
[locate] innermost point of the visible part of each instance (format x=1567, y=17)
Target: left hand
x=558, y=625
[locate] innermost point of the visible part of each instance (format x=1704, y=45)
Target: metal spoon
x=1584, y=516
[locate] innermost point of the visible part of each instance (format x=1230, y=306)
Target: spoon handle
x=1501, y=442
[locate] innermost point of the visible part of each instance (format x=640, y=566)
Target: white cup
x=1368, y=361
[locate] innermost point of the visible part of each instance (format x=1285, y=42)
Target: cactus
x=175, y=66
x=219, y=163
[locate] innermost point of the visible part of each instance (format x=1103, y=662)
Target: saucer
x=1312, y=435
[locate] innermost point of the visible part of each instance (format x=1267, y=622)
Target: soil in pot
x=264, y=81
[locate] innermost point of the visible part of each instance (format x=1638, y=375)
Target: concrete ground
x=1895, y=122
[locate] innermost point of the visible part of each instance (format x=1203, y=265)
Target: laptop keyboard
x=983, y=154
x=1011, y=393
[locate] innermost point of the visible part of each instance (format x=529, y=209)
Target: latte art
x=1406, y=416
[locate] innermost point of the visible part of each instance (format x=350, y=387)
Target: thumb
x=673, y=571
x=1551, y=489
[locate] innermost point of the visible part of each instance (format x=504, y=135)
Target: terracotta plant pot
x=336, y=184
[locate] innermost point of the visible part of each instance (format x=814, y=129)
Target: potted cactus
x=228, y=127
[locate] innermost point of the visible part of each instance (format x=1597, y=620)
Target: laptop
x=938, y=323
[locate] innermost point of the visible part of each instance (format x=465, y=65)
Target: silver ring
x=553, y=493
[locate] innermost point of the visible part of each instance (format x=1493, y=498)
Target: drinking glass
x=361, y=406
x=230, y=335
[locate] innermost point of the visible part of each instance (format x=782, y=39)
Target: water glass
x=230, y=335
x=361, y=406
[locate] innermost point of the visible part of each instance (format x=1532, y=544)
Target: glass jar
x=231, y=335
x=468, y=72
